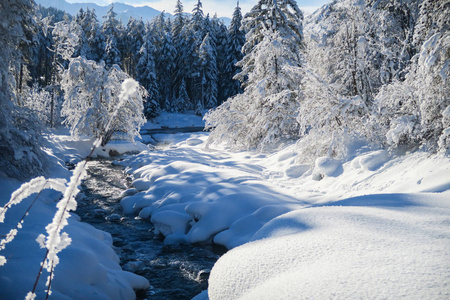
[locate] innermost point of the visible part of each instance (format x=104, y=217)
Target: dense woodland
x=355, y=70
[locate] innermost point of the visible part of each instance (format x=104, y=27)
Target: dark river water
x=174, y=271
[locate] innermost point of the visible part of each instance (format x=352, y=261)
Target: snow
x=88, y=268
x=374, y=226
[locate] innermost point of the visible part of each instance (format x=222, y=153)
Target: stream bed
x=174, y=271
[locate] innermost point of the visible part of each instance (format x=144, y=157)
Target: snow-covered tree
x=134, y=41
x=165, y=68
x=39, y=101
x=182, y=102
x=416, y=111
x=235, y=41
x=209, y=72
x=146, y=75
x=329, y=123
x=272, y=64
x=21, y=156
x=111, y=31
x=94, y=104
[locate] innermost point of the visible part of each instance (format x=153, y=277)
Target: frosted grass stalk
x=56, y=241
x=26, y=190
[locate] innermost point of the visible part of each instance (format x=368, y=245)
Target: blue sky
x=224, y=8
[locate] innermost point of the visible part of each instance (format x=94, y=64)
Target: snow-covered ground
x=376, y=226
x=88, y=268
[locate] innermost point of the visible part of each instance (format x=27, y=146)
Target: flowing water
x=174, y=271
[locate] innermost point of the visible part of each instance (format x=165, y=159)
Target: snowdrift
x=89, y=268
x=375, y=226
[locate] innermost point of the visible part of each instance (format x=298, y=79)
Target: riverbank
x=377, y=221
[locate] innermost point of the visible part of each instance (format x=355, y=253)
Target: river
x=174, y=271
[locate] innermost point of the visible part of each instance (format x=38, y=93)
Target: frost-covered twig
x=26, y=190
x=56, y=241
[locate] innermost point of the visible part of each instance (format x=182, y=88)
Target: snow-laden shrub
x=414, y=112
x=92, y=94
x=265, y=114
x=329, y=123
x=41, y=101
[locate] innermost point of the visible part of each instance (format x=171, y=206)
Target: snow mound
x=296, y=171
x=88, y=268
x=341, y=252
x=193, y=142
x=328, y=166
x=371, y=161
x=377, y=222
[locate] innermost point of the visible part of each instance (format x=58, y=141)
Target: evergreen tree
x=209, y=73
x=134, y=41
x=146, y=76
x=182, y=102
x=194, y=37
x=179, y=33
x=95, y=39
x=235, y=42
x=179, y=20
x=21, y=156
x=110, y=30
x=265, y=114
x=220, y=37
x=165, y=68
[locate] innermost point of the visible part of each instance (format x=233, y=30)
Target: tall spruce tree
x=265, y=114
x=235, y=42
x=209, y=73
x=111, y=31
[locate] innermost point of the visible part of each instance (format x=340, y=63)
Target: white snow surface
x=88, y=268
x=376, y=226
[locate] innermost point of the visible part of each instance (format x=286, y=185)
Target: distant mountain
x=123, y=11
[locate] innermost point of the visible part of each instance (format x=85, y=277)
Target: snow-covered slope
x=373, y=227
x=88, y=268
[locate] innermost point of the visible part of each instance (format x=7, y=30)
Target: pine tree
x=235, y=42
x=182, y=102
x=112, y=34
x=265, y=114
x=180, y=42
x=146, y=76
x=95, y=39
x=209, y=73
x=220, y=34
x=134, y=41
x=165, y=68
x=179, y=20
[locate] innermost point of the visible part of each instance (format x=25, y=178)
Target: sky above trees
x=224, y=8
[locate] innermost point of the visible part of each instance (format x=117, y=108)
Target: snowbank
x=343, y=252
x=71, y=149
x=374, y=226
x=89, y=267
